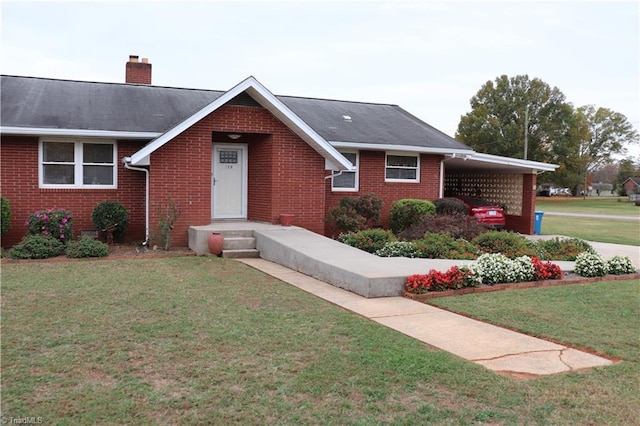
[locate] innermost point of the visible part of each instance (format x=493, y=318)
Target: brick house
x=631, y=185
x=238, y=154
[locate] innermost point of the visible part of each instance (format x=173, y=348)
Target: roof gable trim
x=268, y=101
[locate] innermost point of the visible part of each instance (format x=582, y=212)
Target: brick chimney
x=138, y=72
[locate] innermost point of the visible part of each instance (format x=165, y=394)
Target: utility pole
x=526, y=130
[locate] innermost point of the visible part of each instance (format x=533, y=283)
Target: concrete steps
x=238, y=243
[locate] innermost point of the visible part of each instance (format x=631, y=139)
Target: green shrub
x=111, y=216
x=444, y=246
x=563, y=248
x=353, y=214
x=619, y=265
x=5, y=219
x=369, y=240
x=398, y=249
x=450, y=206
x=37, y=247
x=86, y=246
x=510, y=244
x=369, y=206
x=590, y=265
x=408, y=212
x=457, y=225
x=57, y=223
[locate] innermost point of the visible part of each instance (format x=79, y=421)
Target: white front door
x=229, y=182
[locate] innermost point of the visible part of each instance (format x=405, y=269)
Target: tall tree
x=506, y=113
x=604, y=133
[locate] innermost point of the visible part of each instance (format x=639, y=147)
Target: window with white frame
x=347, y=180
x=402, y=167
x=77, y=164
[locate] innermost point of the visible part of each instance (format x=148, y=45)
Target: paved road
x=595, y=216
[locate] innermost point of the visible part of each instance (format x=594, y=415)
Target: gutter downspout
x=126, y=161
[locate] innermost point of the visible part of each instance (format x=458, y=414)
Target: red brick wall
x=19, y=184
x=138, y=73
x=524, y=223
x=285, y=174
x=371, y=180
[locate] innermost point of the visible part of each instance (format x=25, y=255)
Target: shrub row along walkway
x=498, y=349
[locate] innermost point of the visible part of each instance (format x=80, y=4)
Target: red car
x=484, y=211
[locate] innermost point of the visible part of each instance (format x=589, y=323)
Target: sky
x=429, y=57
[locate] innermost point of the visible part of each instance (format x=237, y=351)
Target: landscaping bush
x=369, y=240
x=444, y=246
x=453, y=279
x=5, y=219
x=37, y=247
x=86, y=246
x=545, y=270
x=398, y=249
x=457, y=225
x=369, y=206
x=509, y=244
x=451, y=206
x=619, y=265
x=590, y=265
x=491, y=268
x=353, y=214
x=563, y=248
x=408, y=212
x=57, y=223
x=111, y=217
x=497, y=268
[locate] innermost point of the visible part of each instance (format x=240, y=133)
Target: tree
x=501, y=112
x=626, y=169
x=603, y=134
x=606, y=173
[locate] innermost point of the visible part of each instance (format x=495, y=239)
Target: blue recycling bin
x=537, y=223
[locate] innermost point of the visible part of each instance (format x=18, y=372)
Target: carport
x=508, y=182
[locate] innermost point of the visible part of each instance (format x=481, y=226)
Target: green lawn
x=201, y=340
x=619, y=206
x=616, y=231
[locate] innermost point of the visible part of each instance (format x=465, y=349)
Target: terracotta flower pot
x=287, y=219
x=216, y=243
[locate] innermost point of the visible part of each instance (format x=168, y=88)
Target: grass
x=208, y=341
x=618, y=231
x=605, y=231
x=618, y=206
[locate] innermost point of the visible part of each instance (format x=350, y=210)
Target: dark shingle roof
x=65, y=104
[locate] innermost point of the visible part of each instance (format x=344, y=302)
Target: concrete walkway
x=496, y=348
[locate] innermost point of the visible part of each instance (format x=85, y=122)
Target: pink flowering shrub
x=57, y=223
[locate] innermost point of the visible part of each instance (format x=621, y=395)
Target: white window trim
x=78, y=163
x=403, y=154
x=356, y=172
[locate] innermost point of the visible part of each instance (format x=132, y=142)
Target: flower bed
x=494, y=268
x=568, y=279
